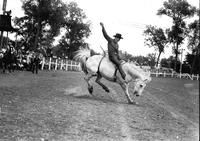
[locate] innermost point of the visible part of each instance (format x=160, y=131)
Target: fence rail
x=69, y=65
x=60, y=64
x=176, y=75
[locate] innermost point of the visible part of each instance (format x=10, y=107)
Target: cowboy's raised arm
x=104, y=32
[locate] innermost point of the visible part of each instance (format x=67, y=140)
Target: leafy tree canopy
x=44, y=20
x=178, y=10
x=155, y=37
x=193, y=36
x=77, y=29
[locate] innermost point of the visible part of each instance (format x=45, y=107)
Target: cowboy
x=113, y=52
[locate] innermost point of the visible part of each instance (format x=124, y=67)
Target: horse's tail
x=82, y=55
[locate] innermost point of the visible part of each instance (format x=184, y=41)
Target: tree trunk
x=193, y=63
x=1, y=45
x=158, y=59
x=37, y=36
x=195, y=59
x=176, y=57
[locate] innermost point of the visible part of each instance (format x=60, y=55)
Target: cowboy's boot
x=122, y=72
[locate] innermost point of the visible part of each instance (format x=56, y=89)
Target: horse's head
x=140, y=77
x=140, y=84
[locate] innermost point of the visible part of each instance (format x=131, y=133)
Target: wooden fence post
x=50, y=63
x=156, y=73
x=66, y=64
x=79, y=66
x=43, y=62
x=61, y=66
x=56, y=65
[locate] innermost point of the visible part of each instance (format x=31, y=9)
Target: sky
x=128, y=17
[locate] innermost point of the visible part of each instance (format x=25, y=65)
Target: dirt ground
x=56, y=106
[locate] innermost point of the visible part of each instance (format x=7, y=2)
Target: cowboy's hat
x=117, y=35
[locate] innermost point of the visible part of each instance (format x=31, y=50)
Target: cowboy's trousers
x=116, y=60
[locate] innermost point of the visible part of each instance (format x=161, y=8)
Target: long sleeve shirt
x=112, y=44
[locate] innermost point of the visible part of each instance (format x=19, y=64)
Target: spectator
x=35, y=63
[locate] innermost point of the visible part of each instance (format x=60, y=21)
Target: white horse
x=101, y=66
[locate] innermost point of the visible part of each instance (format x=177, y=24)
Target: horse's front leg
x=101, y=84
x=87, y=79
x=126, y=91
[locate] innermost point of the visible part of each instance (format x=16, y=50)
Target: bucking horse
x=100, y=66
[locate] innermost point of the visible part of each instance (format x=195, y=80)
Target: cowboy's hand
x=101, y=24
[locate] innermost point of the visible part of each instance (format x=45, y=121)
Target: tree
x=165, y=63
x=42, y=22
x=45, y=19
x=193, y=36
x=151, y=59
x=193, y=62
x=178, y=10
x=194, y=43
x=77, y=29
x=155, y=37
x=125, y=56
x=170, y=62
x=141, y=60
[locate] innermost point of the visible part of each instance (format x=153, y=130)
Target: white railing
x=65, y=64
x=177, y=75
x=60, y=64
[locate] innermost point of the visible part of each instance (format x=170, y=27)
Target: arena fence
x=176, y=75
x=69, y=65
x=60, y=64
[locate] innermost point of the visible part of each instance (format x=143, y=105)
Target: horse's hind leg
x=101, y=84
x=87, y=79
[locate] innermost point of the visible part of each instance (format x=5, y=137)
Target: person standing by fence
x=35, y=63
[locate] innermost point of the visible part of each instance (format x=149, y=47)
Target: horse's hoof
x=90, y=89
x=107, y=90
x=132, y=103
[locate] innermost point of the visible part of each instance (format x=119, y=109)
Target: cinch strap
x=98, y=72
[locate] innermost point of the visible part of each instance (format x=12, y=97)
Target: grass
x=56, y=106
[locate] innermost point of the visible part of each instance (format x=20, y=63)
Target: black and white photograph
x=99, y=70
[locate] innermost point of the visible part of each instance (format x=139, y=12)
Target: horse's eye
x=141, y=86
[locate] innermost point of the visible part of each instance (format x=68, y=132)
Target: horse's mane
x=140, y=70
